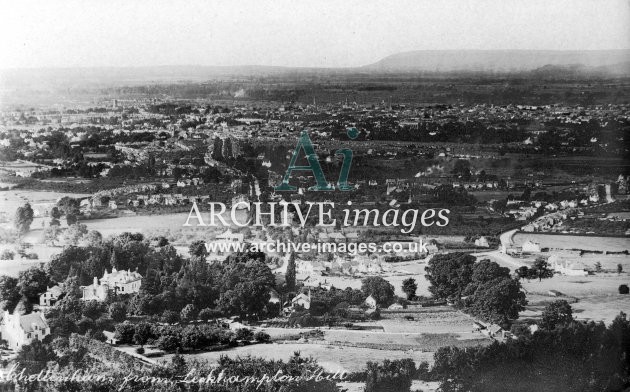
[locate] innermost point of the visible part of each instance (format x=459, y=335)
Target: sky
x=324, y=33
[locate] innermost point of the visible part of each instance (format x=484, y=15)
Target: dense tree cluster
x=568, y=356
x=483, y=289
x=181, y=337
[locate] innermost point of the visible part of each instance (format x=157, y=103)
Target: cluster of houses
x=21, y=168
x=567, y=265
x=360, y=264
x=21, y=329
x=118, y=282
x=303, y=300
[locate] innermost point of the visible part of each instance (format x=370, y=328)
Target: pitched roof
x=31, y=320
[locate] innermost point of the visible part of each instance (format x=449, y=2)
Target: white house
x=531, y=247
x=274, y=297
x=371, y=302
x=482, y=242
x=50, y=296
x=302, y=300
x=20, y=329
x=95, y=291
x=566, y=267
x=119, y=282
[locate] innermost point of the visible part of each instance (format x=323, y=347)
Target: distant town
x=98, y=266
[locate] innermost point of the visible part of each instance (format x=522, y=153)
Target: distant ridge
x=536, y=63
x=499, y=60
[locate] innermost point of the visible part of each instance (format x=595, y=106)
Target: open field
x=11, y=200
x=579, y=286
x=608, y=262
x=561, y=241
x=589, y=308
x=331, y=358
x=13, y=267
x=401, y=341
x=429, y=320
x=592, y=297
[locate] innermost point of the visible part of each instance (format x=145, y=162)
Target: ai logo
x=304, y=143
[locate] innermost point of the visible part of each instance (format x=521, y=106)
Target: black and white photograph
x=315, y=196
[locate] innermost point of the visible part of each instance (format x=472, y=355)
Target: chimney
x=95, y=281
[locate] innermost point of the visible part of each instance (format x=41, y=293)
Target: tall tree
x=24, y=218
x=23, y=307
x=449, y=274
x=541, y=268
x=245, y=288
x=70, y=208
x=485, y=271
x=51, y=234
x=380, y=289
x=9, y=293
x=32, y=282
x=290, y=275
x=409, y=286
x=556, y=313
x=498, y=300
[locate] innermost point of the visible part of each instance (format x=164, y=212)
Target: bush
x=189, y=313
x=170, y=317
x=375, y=315
x=207, y=314
x=262, y=337
x=226, y=337
x=118, y=311
x=394, y=376
x=169, y=343
x=623, y=289
x=244, y=334
x=140, y=350
x=7, y=255
x=32, y=256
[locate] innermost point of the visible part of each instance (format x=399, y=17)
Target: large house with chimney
x=118, y=282
x=20, y=329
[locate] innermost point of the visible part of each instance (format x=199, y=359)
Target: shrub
x=189, y=313
x=556, y=313
x=170, y=317
x=394, y=376
x=169, y=343
x=244, y=334
x=7, y=255
x=118, y=311
x=262, y=337
x=207, y=314
x=140, y=350
x=226, y=337
x=623, y=289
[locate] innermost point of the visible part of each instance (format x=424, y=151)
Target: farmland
x=582, y=242
x=339, y=349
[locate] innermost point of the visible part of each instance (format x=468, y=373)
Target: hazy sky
x=49, y=33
